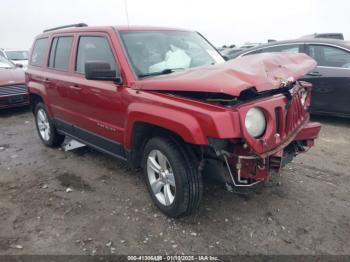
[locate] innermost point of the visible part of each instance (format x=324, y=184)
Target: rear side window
x=38, y=53
x=330, y=56
x=282, y=48
x=94, y=49
x=60, y=52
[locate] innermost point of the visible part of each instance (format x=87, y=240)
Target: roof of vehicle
x=340, y=43
x=106, y=28
x=147, y=28
x=319, y=35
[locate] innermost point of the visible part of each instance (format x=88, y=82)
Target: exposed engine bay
x=245, y=96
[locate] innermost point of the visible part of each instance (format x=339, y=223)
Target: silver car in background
x=17, y=56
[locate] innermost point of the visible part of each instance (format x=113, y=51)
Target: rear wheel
x=172, y=178
x=46, y=130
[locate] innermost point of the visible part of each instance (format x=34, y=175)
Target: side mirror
x=101, y=71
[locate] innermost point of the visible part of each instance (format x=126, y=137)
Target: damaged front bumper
x=244, y=169
x=248, y=161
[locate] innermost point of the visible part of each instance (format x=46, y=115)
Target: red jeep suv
x=166, y=101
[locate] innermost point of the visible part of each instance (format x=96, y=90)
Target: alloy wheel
x=43, y=124
x=161, y=177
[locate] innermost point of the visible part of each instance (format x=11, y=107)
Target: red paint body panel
x=310, y=131
x=11, y=76
x=194, y=121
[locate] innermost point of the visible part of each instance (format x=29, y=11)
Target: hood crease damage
x=261, y=72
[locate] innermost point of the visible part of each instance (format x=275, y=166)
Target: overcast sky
x=221, y=21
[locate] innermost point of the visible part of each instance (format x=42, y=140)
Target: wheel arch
x=34, y=100
x=37, y=97
x=142, y=132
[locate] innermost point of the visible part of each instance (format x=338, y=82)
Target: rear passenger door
x=96, y=106
x=58, y=75
x=330, y=79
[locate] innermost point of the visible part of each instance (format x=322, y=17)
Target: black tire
x=184, y=167
x=54, y=139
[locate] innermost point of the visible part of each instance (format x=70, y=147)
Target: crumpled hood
x=11, y=76
x=262, y=71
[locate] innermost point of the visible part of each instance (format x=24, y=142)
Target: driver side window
x=93, y=49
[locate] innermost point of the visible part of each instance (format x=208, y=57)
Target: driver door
x=96, y=105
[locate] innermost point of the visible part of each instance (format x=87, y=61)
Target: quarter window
x=38, y=54
x=60, y=52
x=330, y=56
x=94, y=49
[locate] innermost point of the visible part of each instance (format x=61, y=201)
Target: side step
x=71, y=144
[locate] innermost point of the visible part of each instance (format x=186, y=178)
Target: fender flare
x=41, y=92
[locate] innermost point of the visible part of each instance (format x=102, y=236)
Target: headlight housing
x=255, y=122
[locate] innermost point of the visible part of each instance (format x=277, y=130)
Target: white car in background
x=17, y=56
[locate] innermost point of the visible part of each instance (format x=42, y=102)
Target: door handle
x=47, y=80
x=314, y=74
x=75, y=87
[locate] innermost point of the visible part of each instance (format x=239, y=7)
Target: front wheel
x=172, y=178
x=46, y=130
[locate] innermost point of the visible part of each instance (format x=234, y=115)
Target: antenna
x=126, y=12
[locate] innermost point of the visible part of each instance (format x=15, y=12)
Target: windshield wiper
x=163, y=72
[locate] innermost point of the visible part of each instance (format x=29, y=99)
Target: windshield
x=17, y=55
x=158, y=51
x=4, y=63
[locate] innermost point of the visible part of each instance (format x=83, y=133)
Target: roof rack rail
x=65, y=26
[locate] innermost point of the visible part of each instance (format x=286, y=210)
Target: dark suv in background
x=331, y=77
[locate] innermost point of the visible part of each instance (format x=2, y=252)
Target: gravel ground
x=109, y=210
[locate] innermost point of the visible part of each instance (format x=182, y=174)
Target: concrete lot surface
x=109, y=209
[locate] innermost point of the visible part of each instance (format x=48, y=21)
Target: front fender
x=182, y=123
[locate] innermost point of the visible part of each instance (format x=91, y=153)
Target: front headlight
x=255, y=122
